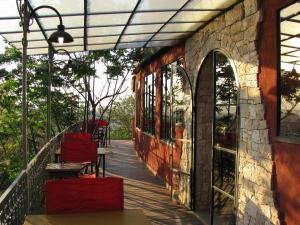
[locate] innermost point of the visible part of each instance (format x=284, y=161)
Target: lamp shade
x=60, y=36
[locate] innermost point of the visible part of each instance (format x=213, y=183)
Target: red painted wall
x=153, y=151
x=286, y=156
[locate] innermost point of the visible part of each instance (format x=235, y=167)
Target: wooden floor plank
x=142, y=189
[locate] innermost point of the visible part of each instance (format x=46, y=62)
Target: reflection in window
x=225, y=141
x=289, y=71
x=172, y=78
x=149, y=104
x=138, y=106
x=225, y=103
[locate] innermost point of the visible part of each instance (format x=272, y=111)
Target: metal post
x=24, y=87
x=50, y=62
x=172, y=139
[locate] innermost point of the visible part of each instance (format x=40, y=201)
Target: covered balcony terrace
x=215, y=133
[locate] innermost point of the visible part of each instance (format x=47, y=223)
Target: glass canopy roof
x=111, y=24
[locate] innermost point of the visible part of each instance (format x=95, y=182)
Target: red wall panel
x=154, y=152
x=286, y=155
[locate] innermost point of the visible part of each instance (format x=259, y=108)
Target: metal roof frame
x=186, y=18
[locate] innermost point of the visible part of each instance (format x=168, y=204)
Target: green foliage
x=121, y=118
x=64, y=109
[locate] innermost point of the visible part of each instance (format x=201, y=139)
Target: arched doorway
x=216, y=133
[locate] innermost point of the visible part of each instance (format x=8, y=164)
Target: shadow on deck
x=142, y=189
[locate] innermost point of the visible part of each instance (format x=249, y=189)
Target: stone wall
x=235, y=33
x=203, y=135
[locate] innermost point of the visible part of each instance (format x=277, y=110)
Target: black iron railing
x=26, y=193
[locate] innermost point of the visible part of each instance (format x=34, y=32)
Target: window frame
x=165, y=134
x=149, y=104
x=288, y=138
x=138, y=105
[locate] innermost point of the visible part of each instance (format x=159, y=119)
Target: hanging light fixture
x=60, y=36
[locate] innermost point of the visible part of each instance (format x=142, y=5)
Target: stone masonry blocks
x=235, y=33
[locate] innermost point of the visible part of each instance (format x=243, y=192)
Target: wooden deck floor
x=142, y=189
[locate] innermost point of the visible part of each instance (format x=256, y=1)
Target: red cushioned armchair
x=80, y=152
x=84, y=195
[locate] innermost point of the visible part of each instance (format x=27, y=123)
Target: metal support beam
x=85, y=26
x=128, y=22
x=24, y=87
x=167, y=22
x=50, y=62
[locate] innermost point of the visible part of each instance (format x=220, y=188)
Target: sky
x=100, y=68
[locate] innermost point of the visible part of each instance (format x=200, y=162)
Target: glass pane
x=159, y=4
x=42, y=44
x=225, y=140
x=290, y=75
x=108, y=19
x=72, y=49
x=8, y=8
x=225, y=104
x=151, y=17
x=295, y=53
x=68, y=21
x=224, y=171
x=111, y=5
x=19, y=36
x=149, y=103
x=131, y=45
x=289, y=59
x=35, y=35
x=100, y=47
x=204, y=4
x=39, y=51
x=182, y=107
x=290, y=10
x=64, y=7
x=13, y=37
x=141, y=29
x=10, y=25
x=287, y=49
x=179, y=27
x=140, y=37
x=284, y=37
x=99, y=40
x=291, y=28
x=223, y=210
x=105, y=30
x=194, y=16
x=162, y=43
x=163, y=36
x=18, y=45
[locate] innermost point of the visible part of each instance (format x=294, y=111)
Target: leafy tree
x=11, y=108
x=121, y=117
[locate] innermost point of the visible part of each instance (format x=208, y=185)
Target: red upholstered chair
x=84, y=195
x=78, y=137
x=78, y=151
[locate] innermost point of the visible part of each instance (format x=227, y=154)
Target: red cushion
x=78, y=137
x=102, y=123
x=84, y=195
x=78, y=151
